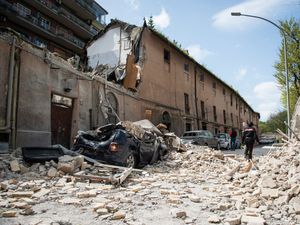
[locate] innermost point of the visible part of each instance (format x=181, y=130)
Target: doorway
x=61, y=120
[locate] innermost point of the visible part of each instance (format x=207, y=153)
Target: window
x=214, y=85
x=186, y=68
x=202, y=110
x=224, y=116
x=202, y=77
x=215, y=113
x=188, y=127
x=126, y=44
x=224, y=92
x=231, y=99
x=167, y=56
x=204, y=126
x=22, y=10
x=186, y=103
x=231, y=117
x=236, y=103
x=45, y=23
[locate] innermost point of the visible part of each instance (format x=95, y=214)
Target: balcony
x=36, y=25
x=79, y=27
x=81, y=8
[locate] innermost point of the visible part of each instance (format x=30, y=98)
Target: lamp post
x=285, y=62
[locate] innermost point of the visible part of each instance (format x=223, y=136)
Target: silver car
x=224, y=140
x=200, y=137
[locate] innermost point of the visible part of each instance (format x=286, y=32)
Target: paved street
x=257, y=151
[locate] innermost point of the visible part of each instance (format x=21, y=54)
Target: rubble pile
x=197, y=186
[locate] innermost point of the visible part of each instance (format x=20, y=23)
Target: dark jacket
x=249, y=135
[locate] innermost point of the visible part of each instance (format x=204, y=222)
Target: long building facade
x=174, y=88
x=62, y=26
x=137, y=74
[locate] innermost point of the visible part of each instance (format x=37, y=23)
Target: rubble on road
x=196, y=186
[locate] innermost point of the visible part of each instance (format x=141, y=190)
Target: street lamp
x=285, y=62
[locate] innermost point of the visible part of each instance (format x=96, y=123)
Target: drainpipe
x=10, y=88
x=196, y=100
x=15, y=99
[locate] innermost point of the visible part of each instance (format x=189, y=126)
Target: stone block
x=52, y=172
x=177, y=213
x=14, y=166
x=119, y=215
x=66, y=167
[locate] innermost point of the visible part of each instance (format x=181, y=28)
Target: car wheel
x=130, y=160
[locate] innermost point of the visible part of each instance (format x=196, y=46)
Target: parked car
x=113, y=144
x=264, y=140
x=224, y=140
x=200, y=137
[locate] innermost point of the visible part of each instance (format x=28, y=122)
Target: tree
x=275, y=121
x=151, y=23
x=292, y=27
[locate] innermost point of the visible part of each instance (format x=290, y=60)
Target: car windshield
x=221, y=136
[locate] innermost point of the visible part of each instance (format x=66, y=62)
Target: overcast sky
x=241, y=51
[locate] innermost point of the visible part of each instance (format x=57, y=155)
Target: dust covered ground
x=199, y=186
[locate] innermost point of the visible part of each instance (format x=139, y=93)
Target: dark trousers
x=249, y=150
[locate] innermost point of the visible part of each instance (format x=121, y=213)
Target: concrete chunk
x=253, y=220
x=14, y=166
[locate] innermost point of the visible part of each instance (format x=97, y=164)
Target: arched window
x=113, y=108
x=166, y=119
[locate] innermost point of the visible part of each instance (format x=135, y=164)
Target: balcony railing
x=49, y=5
x=86, y=6
x=38, y=22
x=75, y=20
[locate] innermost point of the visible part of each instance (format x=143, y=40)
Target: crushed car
x=124, y=144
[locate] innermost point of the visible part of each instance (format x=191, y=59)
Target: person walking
x=233, y=135
x=248, y=138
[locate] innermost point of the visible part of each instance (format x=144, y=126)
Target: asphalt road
x=257, y=151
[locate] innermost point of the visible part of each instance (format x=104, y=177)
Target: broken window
x=215, y=113
x=186, y=68
x=167, y=56
x=61, y=100
x=186, y=103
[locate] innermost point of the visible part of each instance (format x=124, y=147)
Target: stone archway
x=166, y=119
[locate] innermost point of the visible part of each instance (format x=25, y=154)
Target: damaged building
x=171, y=86
x=136, y=73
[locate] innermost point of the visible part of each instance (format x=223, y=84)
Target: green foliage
x=292, y=27
x=275, y=121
